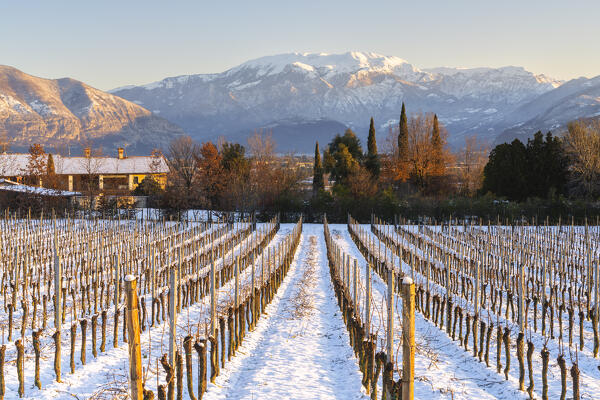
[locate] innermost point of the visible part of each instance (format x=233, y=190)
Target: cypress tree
x=437, y=147
x=403, y=135
x=372, y=162
x=372, y=142
x=50, y=165
x=318, y=183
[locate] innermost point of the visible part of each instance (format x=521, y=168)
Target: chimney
x=87, y=152
x=121, y=153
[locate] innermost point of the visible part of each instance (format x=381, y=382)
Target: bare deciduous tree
x=471, y=161
x=422, y=158
x=91, y=165
x=183, y=153
x=582, y=143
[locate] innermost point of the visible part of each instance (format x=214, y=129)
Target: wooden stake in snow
x=521, y=307
x=57, y=290
x=236, y=273
x=596, y=294
x=390, y=315
x=408, y=339
x=172, y=315
x=213, y=304
x=368, y=298
x=133, y=329
x=355, y=286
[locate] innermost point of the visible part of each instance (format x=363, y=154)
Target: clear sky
x=113, y=43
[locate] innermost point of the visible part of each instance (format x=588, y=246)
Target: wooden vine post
x=57, y=304
x=596, y=320
x=521, y=305
x=355, y=284
x=172, y=315
x=213, y=304
x=390, y=315
x=449, y=296
x=408, y=339
x=368, y=298
x=133, y=330
x=236, y=273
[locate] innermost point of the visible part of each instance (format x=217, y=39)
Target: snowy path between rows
x=300, y=347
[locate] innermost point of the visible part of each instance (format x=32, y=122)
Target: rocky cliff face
x=61, y=111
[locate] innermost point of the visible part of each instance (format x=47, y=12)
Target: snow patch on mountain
x=349, y=88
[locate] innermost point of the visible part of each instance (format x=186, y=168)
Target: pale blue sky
x=113, y=43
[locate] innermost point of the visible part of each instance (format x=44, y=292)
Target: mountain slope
x=53, y=112
x=348, y=88
x=552, y=111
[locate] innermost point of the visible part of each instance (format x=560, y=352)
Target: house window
x=136, y=180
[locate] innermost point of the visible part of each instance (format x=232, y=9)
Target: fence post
x=390, y=315
x=596, y=294
x=449, y=294
x=477, y=286
x=355, y=287
x=133, y=330
x=172, y=314
x=57, y=290
x=236, y=273
x=368, y=299
x=213, y=304
x=57, y=307
x=521, y=283
x=408, y=339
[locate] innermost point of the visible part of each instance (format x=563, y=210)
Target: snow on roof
x=16, y=165
x=12, y=187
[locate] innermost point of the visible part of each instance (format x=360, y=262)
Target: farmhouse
x=110, y=175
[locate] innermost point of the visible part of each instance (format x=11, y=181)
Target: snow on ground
x=443, y=370
x=589, y=369
x=300, y=349
x=107, y=373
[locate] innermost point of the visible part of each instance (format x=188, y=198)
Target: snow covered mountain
x=552, y=111
x=61, y=111
x=348, y=88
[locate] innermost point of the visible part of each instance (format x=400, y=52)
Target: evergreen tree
x=403, y=135
x=371, y=141
x=345, y=164
x=50, y=165
x=318, y=183
x=351, y=141
x=518, y=171
x=233, y=158
x=372, y=162
x=437, y=148
x=505, y=174
x=343, y=155
x=546, y=166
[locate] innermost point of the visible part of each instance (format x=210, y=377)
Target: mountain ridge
x=55, y=112
x=299, y=97
x=348, y=88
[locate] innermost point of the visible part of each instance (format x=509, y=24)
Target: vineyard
x=103, y=309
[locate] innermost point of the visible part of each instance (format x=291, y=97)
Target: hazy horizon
x=113, y=44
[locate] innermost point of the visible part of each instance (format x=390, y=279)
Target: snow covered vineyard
x=251, y=311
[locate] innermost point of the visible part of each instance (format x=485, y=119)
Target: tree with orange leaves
x=36, y=165
x=210, y=173
x=427, y=154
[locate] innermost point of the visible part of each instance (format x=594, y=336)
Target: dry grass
x=302, y=301
x=115, y=388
